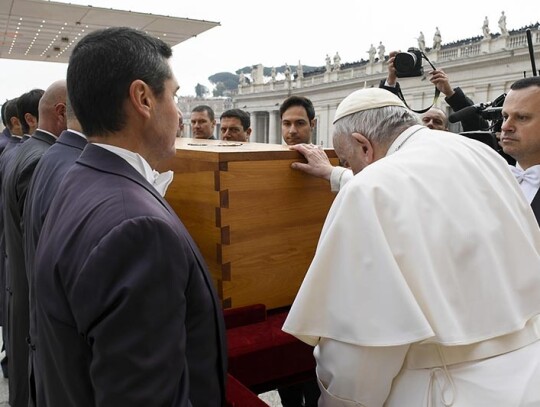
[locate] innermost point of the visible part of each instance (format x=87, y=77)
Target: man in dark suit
x=15, y=130
x=126, y=311
x=47, y=177
x=6, y=134
x=51, y=123
x=28, y=110
x=520, y=136
x=12, y=123
x=203, y=122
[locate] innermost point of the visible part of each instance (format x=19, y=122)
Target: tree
x=228, y=80
x=201, y=91
x=219, y=90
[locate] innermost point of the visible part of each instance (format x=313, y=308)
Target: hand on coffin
x=317, y=164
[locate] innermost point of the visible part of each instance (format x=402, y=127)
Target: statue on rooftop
x=371, y=52
x=328, y=63
x=421, y=42
x=485, y=28
x=437, y=40
x=382, y=50
x=337, y=62
x=502, y=24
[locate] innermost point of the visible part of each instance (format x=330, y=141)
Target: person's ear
x=365, y=146
x=141, y=97
x=31, y=120
x=60, y=110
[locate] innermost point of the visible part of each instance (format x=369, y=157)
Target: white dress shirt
x=160, y=181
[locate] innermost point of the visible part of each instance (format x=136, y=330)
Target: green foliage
x=219, y=90
x=224, y=82
x=201, y=91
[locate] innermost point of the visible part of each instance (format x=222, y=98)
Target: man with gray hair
x=424, y=286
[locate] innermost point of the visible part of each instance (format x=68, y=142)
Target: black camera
x=492, y=112
x=409, y=64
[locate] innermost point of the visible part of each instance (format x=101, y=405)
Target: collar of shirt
x=160, y=181
x=402, y=138
x=48, y=132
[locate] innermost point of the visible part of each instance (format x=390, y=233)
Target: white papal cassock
x=426, y=282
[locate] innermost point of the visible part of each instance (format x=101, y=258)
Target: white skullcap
x=365, y=99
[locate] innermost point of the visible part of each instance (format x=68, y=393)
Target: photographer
x=455, y=97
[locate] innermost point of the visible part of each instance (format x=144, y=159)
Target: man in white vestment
x=424, y=289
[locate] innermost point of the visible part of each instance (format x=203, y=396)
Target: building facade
x=483, y=67
x=218, y=105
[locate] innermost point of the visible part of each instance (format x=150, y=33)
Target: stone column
x=274, y=130
x=255, y=137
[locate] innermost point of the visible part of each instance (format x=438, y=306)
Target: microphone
x=465, y=113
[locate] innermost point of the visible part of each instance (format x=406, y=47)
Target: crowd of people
x=424, y=288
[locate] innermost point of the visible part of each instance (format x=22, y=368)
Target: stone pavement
x=3, y=392
x=271, y=398
x=3, y=382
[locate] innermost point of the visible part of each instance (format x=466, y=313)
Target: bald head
x=52, y=108
x=435, y=119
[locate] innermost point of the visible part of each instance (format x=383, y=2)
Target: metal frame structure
x=39, y=30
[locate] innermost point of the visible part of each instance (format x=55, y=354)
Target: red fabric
x=263, y=357
x=238, y=395
x=249, y=314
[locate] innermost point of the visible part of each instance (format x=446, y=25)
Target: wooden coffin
x=256, y=221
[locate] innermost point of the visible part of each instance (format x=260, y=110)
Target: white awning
x=38, y=30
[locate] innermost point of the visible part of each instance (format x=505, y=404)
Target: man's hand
x=317, y=164
x=391, y=79
x=440, y=80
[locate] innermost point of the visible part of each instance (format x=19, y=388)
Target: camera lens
x=405, y=61
x=408, y=64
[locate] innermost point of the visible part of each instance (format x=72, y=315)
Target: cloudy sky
x=276, y=32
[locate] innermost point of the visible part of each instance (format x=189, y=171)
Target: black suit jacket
x=5, y=159
x=14, y=188
x=5, y=136
x=127, y=314
x=47, y=177
x=459, y=101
